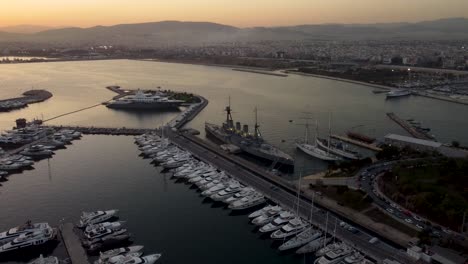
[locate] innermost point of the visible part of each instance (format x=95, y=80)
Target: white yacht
x=335, y=255
x=202, y=170
x=354, y=258
x=37, y=150
x=123, y=258
x=91, y=218
x=314, y=245
x=176, y=162
x=149, y=259
x=227, y=192
x=101, y=236
x=248, y=202
x=47, y=260
x=221, y=181
x=10, y=165
x=314, y=150
x=209, y=179
x=104, y=256
x=215, y=189
x=109, y=225
x=267, y=216
x=260, y=211
x=244, y=192
x=327, y=248
x=203, y=176
x=101, y=232
x=26, y=228
x=398, y=93
x=278, y=222
x=293, y=227
x=302, y=238
x=33, y=238
x=338, y=150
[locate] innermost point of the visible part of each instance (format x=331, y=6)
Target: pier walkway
x=73, y=245
x=356, y=142
x=409, y=128
x=124, y=131
x=284, y=193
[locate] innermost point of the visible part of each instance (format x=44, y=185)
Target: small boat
x=278, y=222
x=335, y=255
x=267, y=216
x=245, y=192
x=300, y=239
x=294, y=227
x=47, y=260
x=123, y=258
x=104, y=256
x=227, y=192
x=90, y=218
x=248, y=202
x=398, y=93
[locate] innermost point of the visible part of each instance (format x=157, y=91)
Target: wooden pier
x=73, y=245
x=356, y=142
x=117, y=131
x=405, y=125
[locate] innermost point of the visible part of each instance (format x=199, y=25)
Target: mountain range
x=164, y=33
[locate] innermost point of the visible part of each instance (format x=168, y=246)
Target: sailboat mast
x=326, y=232
x=316, y=131
x=298, y=193
x=257, y=130
x=329, y=132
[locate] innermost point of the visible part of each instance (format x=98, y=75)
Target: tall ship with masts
x=251, y=143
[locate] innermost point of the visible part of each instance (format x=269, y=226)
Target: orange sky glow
x=242, y=13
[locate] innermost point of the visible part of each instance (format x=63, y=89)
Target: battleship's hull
x=145, y=106
x=235, y=140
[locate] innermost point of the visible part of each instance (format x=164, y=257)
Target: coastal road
x=360, y=239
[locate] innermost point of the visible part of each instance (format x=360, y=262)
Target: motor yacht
x=355, y=257
x=267, y=216
x=104, y=256
x=221, y=181
x=302, y=238
x=102, y=234
x=47, y=260
x=205, y=181
x=149, y=259
x=202, y=170
x=10, y=165
x=278, y=222
x=109, y=225
x=26, y=228
x=244, y=192
x=335, y=255
x=260, y=212
x=203, y=176
x=91, y=218
x=314, y=245
x=327, y=248
x=248, y=202
x=37, y=150
x=294, y=227
x=34, y=238
x=123, y=258
x=176, y=161
x=229, y=191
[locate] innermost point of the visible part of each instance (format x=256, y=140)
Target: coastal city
x=192, y=141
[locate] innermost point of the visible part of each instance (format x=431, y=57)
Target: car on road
x=446, y=230
x=407, y=220
x=419, y=226
x=417, y=218
x=373, y=240
x=390, y=210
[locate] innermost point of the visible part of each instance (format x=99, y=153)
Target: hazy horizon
x=88, y=13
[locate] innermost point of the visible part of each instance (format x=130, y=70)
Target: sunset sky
x=242, y=13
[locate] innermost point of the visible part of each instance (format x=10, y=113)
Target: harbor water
x=100, y=172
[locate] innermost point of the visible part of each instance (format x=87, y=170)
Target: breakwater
x=29, y=97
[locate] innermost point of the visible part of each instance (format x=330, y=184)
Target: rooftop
x=413, y=140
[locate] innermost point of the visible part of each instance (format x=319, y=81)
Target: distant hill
x=25, y=29
x=160, y=34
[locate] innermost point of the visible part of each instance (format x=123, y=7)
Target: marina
x=269, y=187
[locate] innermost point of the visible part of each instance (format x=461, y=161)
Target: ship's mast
x=228, y=113
x=257, y=130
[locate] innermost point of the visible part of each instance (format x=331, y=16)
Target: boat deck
x=73, y=245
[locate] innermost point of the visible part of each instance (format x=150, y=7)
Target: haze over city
x=242, y=13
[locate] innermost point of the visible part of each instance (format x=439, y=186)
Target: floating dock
x=73, y=245
x=408, y=127
x=356, y=142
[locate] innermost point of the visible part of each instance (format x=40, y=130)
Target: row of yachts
x=25, y=236
x=43, y=148
x=281, y=224
x=100, y=231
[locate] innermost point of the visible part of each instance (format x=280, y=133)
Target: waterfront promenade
x=73, y=245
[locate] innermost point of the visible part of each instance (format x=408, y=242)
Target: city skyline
x=87, y=13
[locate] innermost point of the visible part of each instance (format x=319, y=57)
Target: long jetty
x=405, y=125
x=356, y=142
x=124, y=131
x=72, y=243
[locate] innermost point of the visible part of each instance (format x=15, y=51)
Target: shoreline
x=379, y=86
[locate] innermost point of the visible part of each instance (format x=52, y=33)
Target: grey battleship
x=252, y=144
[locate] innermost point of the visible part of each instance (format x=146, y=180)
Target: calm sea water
x=106, y=172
